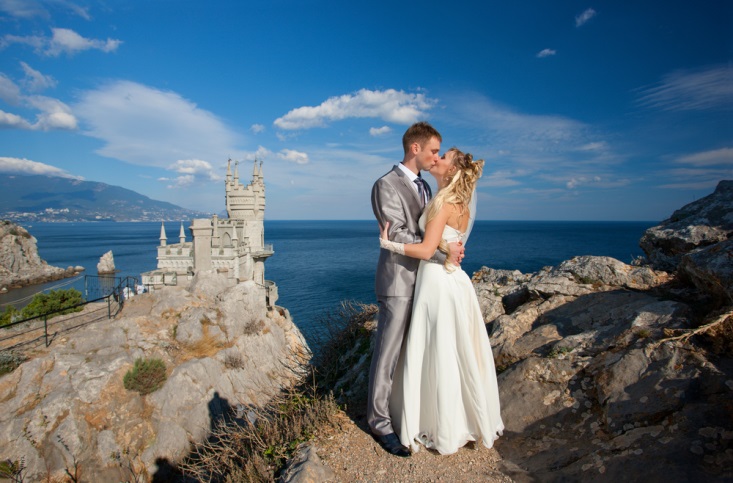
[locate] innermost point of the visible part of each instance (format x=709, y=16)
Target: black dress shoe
x=391, y=443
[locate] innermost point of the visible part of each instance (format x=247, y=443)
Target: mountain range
x=48, y=198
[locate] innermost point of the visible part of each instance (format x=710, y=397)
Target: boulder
x=106, y=264
x=701, y=223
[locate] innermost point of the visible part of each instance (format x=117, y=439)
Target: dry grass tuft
x=206, y=346
x=256, y=445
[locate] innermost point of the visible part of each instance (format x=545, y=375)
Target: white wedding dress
x=445, y=392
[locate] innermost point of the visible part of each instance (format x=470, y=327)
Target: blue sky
x=592, y=110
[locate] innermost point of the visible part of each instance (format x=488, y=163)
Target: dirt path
x=354, y=456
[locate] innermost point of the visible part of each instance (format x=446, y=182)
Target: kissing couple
x=432, y=379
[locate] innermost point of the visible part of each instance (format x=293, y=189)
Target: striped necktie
x=422, y=191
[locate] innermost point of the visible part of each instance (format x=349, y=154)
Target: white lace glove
x=392, y=246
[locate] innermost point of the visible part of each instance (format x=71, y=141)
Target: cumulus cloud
x=700, y=90
x=26, y=166
x=196, y=168
x=62, y=41
x=546, y=53
x=293, y=156
x=52, y=113
x=584, y=17
x=150, y=127
x=257, y=128
x=379, y=131
x=390, y=105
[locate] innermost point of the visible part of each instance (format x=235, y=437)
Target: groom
x=399, y=198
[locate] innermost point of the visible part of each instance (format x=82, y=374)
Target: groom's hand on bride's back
x=456, y=252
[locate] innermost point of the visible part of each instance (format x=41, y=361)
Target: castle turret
x=163, y=238
x=182, y=235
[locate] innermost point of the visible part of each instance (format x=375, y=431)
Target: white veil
x=471, y=217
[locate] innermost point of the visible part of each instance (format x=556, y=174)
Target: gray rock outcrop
x=106, y=264
x=695, y=226
x=609, y=370
x=222, y=351
x=20, y=263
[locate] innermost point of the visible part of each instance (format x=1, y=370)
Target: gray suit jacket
x=394, y=200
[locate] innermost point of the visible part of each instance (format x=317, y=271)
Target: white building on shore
x=234, y=246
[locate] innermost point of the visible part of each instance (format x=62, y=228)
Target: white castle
x=234, y=247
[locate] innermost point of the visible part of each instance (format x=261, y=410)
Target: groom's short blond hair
x=420, y=133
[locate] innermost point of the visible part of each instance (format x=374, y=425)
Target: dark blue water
x=317, y=264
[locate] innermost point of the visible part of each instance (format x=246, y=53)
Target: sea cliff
x=69, y=407
x=20, y=263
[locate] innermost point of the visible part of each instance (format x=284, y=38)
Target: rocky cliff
x=611, y=371
x=20, y=263
x=67, y=409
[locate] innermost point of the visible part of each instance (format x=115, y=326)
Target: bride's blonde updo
x=461, y=186
x=458, y=192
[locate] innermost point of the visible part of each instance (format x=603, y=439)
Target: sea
x=319, y=264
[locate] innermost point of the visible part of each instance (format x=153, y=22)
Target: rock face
x=222, y=348
x=601, y=373
x=704, y=222
x=20, y=263
x=106, y=264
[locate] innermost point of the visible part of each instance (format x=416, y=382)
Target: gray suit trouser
x=394, y=320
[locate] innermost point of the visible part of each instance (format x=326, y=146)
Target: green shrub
x=44, y=303
x=146, y=376
x=9, y=361
x=9, y=315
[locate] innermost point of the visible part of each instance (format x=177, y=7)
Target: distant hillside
x=47, y=198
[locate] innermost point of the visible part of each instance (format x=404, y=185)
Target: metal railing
x=115, y=299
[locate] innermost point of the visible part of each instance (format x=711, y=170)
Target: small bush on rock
x=146, y=376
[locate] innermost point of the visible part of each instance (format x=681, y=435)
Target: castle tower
x=163, y=238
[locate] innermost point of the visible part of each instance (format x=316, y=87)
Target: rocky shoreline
x=20, y=263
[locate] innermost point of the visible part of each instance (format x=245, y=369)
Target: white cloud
x=257, y=128
x=692, y=90
x=196, y=169
x=581, y=180
x=53, y=114
x=390, y=105
x=584, y=17
x=183, y=181
x=716, y=157
x=26, y=9
x=62, y=41
x=546, y=53
x=34, y=81
x=293, y=156
x=9, y=91
x=149, y=127
x=69, y=42
x=379, y=131
x=26, y=166
x=13, y=121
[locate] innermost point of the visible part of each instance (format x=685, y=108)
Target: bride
x=445, y=390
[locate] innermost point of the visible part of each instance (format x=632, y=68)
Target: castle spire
x=236, y=172
x=163, y=238
x=182, y=235
x=229, y=170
